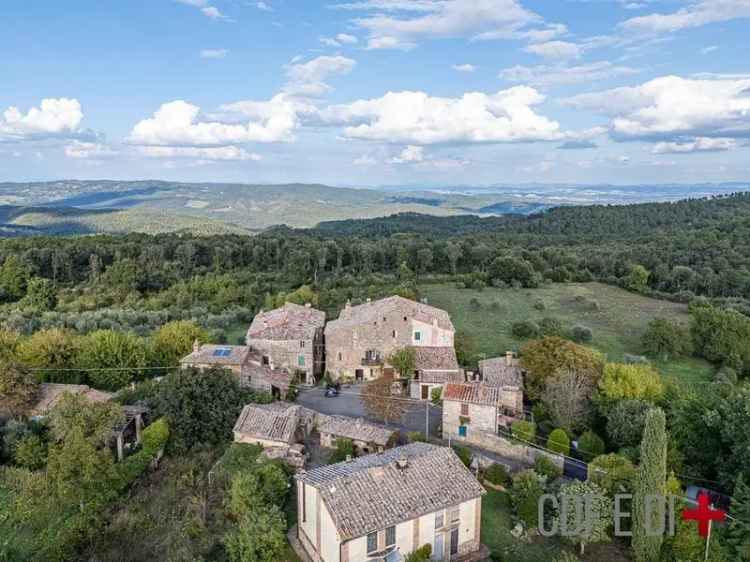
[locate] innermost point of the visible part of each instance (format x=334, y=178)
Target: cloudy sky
x=374, y=92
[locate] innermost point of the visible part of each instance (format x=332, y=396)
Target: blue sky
x=374, y=92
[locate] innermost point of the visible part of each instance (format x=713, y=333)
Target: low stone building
x=290, y=338
x=279, y=427
x=433, y=368
x=360, y=341
x=471, y=408
x=245, y=363
x=384, y=506
x=366, y=437
x=501, y=371
x=125, y=434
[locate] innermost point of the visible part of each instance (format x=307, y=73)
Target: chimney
x=348, y=458
x=402, y=463
x=308, y=305
x=348, y=304
x=369, y=300
x=196, y=346
x=509, y=356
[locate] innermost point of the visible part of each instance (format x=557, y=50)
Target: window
x=417, y=336
x=462, y=431
x=302, y=343
x=405, y=319
x=372, y=542
x=395, y=334
x=341, y=356
x=455, y=515
x=301, y=360
x=464, y=409
x=390, y=536
x=439, y=520
x=265, y=360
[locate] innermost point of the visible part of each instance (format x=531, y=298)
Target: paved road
x=348, y=403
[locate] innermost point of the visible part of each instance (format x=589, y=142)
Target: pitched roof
x=50, y=394
x=273, y=422
x=209, y=354
x=475, y=393
x=435, y=358
x=356, y=429
x=289, y=322
x=256, y=370
x=372, y=492
x=372, y=311
x=501, y=371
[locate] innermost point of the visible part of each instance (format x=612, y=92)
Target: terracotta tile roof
x=289, y=322
x=50, y=394
x=371, y=311
x=209, y=354
x=501, y=371
x=475, y=393
x=372, y=492
x=353, y=428
x=435, y=358
x=277, y=421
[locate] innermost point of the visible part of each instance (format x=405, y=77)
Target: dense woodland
x=74, y=308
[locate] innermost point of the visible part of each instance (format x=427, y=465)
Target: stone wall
x=510, y=449
x=285, y=354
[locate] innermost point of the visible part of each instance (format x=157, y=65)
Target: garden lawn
x=618, y=318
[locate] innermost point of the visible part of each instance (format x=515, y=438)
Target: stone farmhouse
x=501, y=371
x=290, y=338
x=360, y=341
x=384, y=506
x=435, y=366
x=472, y=409
x=366, y=437
x=248, y=366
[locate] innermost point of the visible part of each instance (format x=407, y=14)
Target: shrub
x=416, y=437
x=463, y=453
x=422, y=554
x=590, y=445
x=631, y=382
x=581, y=334
x=497, y=474
x=539, y=305
x=156, y=435
x=566, y=557
x=544, y=466
x=344, y=449
x=436, y=396
x=475, y=304
x=30, y=452
x=625, y=422
x=526, y=490
x=525, y=329
x=551, y=327
x=613, y=473
x=524, y=430
x=559, y=442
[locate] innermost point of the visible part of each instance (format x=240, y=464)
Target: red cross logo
x=703, y=514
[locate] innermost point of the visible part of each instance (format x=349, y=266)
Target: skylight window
x=222, y=352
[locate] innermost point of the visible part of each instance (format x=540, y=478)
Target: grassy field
x=617, y=318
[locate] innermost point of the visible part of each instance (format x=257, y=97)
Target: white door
x=438, y=551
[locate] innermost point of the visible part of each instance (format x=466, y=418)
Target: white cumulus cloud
x=211, y=12
x=464, y=67
x=179, y=123
x=555, y=50
x=418, y=118
x=54, y=118
x=89, y=150
x=308, y=79
x=411, y=153
x=673, y=108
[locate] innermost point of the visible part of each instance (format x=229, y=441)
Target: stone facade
x=359, y=342
x=290, y=338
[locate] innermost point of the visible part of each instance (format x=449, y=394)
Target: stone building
x=474, y=408
x=384, y=506
x=434, y=367
x=366, y=437
x=501, y=371
x=247, y=365
x=359, y=342
x=290, y=338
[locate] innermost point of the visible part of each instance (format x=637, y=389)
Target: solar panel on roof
x=222, y=352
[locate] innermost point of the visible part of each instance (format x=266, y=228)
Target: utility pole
x=427, y=419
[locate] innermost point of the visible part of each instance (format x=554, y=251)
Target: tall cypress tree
x=650, y=481
x=738, y=531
